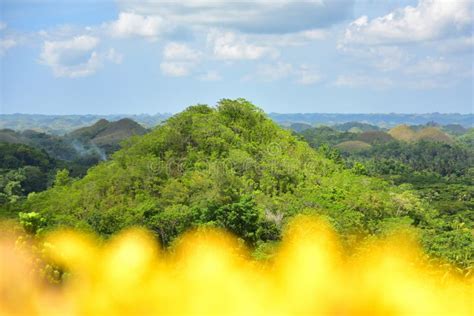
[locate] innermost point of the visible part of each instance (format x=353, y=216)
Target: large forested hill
x=232, y=167
x=107, y=135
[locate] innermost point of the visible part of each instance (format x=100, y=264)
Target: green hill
x=56, y=146
x=403, y=133
x=375, y=137
x=230, y=167
x=455, y=129
x=433, y=134
x=300, y=127
x=11, y=137
x=355, y=127
x=353, y=146
x=117, y=131
x=88, y=133
x=105, y=133
x=430, y=133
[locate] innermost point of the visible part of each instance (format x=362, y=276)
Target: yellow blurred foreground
x=208, y=273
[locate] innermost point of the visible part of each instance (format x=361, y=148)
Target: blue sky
x=130, y=56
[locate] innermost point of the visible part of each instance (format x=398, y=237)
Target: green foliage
x=33, y=223
x=231, y=167
x=62, y=178
x=436, y=172
x=10, y=186
x=242, y=218
x=14, y=156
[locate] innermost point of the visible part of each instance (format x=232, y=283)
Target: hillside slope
x=229, y=167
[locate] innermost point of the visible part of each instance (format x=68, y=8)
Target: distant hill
x=63, y=124
x=455, y=129
x=10, y=136
x=403, y=133
x=375, y=137
x=433, y=134
x=352, y=146
x=382, y=120
x=300, y=127
x=56, y=146
x=98, y=140
x=408, y=134
x=107, y=135
x=355, y=127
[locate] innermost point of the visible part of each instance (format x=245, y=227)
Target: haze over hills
x=62, y=124
x=381, y=120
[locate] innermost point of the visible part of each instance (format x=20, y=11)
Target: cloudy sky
x=131, y=56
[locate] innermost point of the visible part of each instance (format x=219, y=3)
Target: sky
x=339, y=56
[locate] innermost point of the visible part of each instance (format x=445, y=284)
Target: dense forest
x=232, y=167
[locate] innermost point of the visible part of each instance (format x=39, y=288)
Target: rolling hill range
x=63, y=124
x=101, y=138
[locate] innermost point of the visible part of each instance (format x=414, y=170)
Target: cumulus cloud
x=307, y=76
x=429, y=20
x=382, y=58
x=258, y=16
x=363, y=81
x=232, y=46
x=302, y=74
x=179, y=59
x=6, y=44
x=180, y=51
x=276, y=71
x=113, y=56
x=76, y=57
x=131, y=24
x=176, y=68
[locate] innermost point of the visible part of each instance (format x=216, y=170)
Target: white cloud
x=277, y=71
x=363, y=81
x=180, y=51
x=131, y=24
x=179, y=59
x=3, y=25
x=307, y=76
x=210, y=75
x=6, y=44
x=232, y=46
x=258, y=16
x=176, y=68
x=302, y=74
x=382, y=58
x=429, y=20
x=76, y=57
x=113, y=56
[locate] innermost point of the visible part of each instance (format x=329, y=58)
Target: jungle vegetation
x=232, y=167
